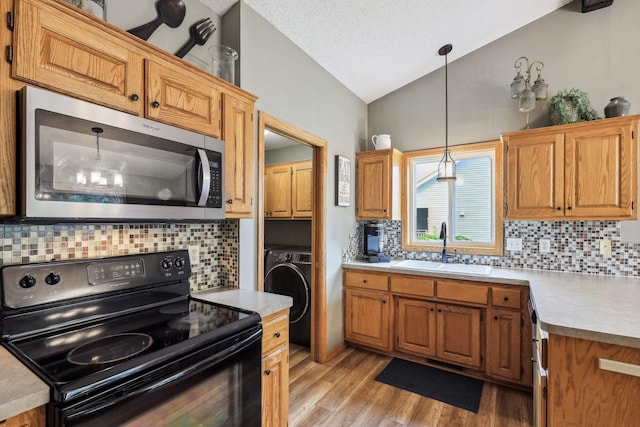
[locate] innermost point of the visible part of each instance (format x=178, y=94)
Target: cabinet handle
x=558, y=208
x=134, y=97
x=619, y=367
x=267, y=372
x=277, y=335
x=229, y=201
x=155, y=104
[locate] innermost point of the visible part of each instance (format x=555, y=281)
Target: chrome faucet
x=443, y=237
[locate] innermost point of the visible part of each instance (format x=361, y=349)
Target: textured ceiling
x=374, y=47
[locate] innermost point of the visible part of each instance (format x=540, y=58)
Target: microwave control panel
x=215, y=187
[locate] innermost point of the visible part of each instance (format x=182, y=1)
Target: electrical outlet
x=514, y=244
x=194, y=255
x=545, y=245
x=605, y=247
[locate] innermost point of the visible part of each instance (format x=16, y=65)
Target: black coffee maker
x=373, y=243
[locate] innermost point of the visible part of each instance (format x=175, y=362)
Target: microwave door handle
x=204, y=177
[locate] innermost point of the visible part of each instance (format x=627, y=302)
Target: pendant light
x=447, y=166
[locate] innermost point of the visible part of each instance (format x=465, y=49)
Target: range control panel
x=32, y=284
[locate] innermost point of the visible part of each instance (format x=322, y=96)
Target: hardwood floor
x=343, y=392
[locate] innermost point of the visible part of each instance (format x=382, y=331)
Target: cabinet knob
x=229, y=201
x=558, y=208
x=267, y=372
x=432, y=309
x=384, y=302
x=155, y=104
x=364, y=281
x=439, y=310
x=569, y=208
x=495, y=317
x=277, y=335
x=506, y=298
x=134, y=97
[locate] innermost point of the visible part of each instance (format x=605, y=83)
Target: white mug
x=381, y=142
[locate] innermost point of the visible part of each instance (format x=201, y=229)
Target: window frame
x=493, y=248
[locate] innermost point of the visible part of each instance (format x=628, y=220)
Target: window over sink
x=471, y=206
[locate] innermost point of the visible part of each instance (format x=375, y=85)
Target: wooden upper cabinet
x=601, y=171
x=277, y=191
x=182, y=99
x=57, y=51
x=238, y=138
x=579, y=171
x=288, y=190
x=302, y=190
x=378, y=184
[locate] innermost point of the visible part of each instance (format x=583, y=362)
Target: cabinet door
x=504, y=343
x=32, y=418
x=275, y=389
x=278, y=191
x=416, y=327
x=601, y=172
x=182, y=99
x=238, y=137
x=302, y=190
x=373, y=186
x=57, y=51
x=459, y=334
x=367, y=318
x=534, y=176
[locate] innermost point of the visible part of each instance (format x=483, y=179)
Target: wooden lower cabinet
x=35, y=417
x=368, y=318
x=459, y=335
x=275, y=369
x=476, y=326
x=504, y=335
x=592, y=383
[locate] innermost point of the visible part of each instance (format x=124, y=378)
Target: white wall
x=294, y=88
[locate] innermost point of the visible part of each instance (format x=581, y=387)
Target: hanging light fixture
x=447, y=166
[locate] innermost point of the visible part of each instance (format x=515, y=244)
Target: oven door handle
x=201, y=365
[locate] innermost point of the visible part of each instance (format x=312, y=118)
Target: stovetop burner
x=110, y=349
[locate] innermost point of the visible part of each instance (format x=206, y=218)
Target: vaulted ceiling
x=374, y=47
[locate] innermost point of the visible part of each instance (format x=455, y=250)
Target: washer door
x=288, y=279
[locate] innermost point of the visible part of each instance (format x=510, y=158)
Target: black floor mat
x=447, y=387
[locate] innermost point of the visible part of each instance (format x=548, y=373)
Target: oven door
x=216, y=386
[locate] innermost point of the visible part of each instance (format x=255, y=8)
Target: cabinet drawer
x=275, y=333
x=418, y=286
x=509, y=298
x=460, y=291
x=379, y=282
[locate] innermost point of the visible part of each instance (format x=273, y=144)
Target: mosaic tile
x=217, y=241
x=575, y=247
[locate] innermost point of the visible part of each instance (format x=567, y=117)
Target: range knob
x=288, y=256
x=166, y=264
x=52, y=279
x=27, y=282
x=179, y=262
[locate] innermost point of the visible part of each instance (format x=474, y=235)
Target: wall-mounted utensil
x=170, y=12
x=199, y=32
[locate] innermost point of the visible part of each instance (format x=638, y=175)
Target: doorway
x=316, y=226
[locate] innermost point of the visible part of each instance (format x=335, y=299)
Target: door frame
x=318, y=221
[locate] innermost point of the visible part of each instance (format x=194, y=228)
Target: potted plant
x=570, y=106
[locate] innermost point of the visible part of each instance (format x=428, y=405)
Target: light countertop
x=20, y=389
x=263, y=303
x=595, y=307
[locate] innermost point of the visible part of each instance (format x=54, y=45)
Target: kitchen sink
x=476, y=270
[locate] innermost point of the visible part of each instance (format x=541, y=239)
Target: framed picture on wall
x=343, y=181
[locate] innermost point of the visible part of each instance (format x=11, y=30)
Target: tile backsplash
x=217, y=243
x=575, y=247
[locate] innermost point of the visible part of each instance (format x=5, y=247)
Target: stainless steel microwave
x=83, y=161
